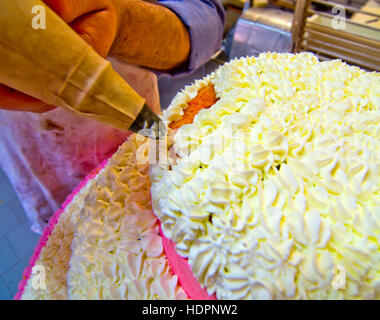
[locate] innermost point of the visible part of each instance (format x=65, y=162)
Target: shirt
x=204, y=20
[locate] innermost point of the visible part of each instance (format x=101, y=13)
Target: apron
x=47, y=155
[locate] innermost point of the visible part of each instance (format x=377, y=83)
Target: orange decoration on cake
x=205, y=98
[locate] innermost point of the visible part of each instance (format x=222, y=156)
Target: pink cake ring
x=181, y=268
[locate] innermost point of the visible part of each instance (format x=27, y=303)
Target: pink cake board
x=181, y=268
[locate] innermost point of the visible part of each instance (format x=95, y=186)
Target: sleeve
x=204, y=20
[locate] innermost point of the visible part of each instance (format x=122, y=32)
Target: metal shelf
x=357, y=43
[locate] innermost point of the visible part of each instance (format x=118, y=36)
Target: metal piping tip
x=148, y=124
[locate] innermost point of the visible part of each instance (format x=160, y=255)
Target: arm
x=204, y=20
x=172, y=35
x=149, y=35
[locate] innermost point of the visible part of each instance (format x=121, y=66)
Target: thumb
x=98, y=29
x=14, y=100
x=94, y=20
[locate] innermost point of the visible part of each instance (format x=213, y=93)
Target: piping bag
x=58, y=67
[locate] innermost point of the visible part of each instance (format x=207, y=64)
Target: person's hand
x=94, y=20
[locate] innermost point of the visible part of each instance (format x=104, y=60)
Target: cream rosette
x=275, y=193
x=117, y=251
x=106, y=244
x=55, y=256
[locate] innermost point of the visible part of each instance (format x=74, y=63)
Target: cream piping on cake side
x=55, y=256
x=117, y=250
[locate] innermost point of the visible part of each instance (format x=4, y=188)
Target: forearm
x=150, y=35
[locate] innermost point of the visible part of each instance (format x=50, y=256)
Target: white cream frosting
x=271, y=211
x=106, y=244
x=266, y=215
x=117, y=252
x=55, y=255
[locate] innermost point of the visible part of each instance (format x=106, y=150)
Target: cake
x=275, y=193
x=105, y=243
x=271, y=191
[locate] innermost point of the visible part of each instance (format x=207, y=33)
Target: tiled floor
x=17, y=241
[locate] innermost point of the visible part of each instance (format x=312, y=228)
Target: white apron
x=46, y=155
